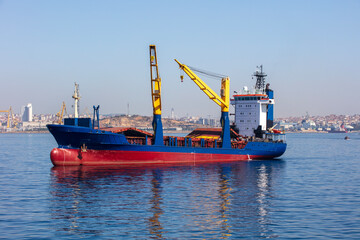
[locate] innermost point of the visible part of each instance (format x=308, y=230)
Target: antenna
x=260, y=79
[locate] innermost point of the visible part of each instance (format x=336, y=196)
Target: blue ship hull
x=87, y=146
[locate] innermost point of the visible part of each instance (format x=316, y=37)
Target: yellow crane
x=14, y=121
x=10, y=114
x=60, y=114
x=156, y=97
x=87, y=113
x=223, y=100
x=155, y=81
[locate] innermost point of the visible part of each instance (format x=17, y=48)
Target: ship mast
x=76, y=96
x=260, y=80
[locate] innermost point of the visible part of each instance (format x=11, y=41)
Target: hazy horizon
x=309, y=50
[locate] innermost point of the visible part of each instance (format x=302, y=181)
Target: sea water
x=311, y=192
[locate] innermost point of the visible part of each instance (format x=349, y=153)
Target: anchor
x=83, y=148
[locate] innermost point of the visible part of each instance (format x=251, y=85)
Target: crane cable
x=207, y=73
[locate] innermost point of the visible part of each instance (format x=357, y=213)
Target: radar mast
x=260, y=79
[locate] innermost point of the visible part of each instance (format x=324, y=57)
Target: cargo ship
x=340, y=129
x=252, y=135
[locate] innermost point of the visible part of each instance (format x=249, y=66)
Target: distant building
x=27, y=114
x=172, y=114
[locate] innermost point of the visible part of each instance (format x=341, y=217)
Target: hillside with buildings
x=145, y=123
x=320, y=123
x=37, y=122
x=27, y=121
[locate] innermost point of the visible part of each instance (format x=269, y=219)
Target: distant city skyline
x=89, y=112
x=309, y=50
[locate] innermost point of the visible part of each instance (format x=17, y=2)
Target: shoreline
x=173, y=132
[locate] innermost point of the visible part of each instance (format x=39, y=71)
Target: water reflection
x=85, y=199
x=263, y=192
x=255, y=190
x=225, y=195
x=155, y=228
x=212, y=201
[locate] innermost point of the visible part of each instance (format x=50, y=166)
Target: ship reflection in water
x=212, y=201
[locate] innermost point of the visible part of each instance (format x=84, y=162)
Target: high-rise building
x=27, y=114
x=172, y=113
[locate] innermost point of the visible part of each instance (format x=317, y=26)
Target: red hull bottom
x=74, y=157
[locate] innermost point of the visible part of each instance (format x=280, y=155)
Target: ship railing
x=188, y=142
x=138, y=140
x=200, y=142
x=275, y=137
x=191, y=142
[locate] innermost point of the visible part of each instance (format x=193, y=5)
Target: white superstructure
x=250, y=112
x=254, y=109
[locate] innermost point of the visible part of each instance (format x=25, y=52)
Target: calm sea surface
x=312, y=192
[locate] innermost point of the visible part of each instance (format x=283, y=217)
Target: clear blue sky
x=309, y=49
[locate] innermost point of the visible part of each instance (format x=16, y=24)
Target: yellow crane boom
x=60, y=114
x=223, y=101
x=155, y=81
x=156, y=98
x=10, y=114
